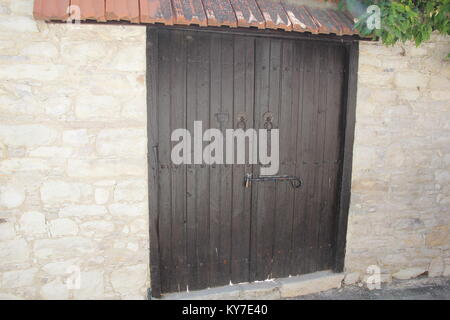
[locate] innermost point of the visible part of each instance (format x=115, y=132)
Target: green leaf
x=404, y=20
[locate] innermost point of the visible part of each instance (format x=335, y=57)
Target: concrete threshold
x=266, y=290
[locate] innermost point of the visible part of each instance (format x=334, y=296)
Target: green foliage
x=403, y=20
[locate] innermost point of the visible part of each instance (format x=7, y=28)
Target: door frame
x=351, y=45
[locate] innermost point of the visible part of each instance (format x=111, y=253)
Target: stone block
x=18, y=24
x=97, y=108
x=54, y=290
x=129, y=59
x=101, y=195
x=91, y=285
x=219, y=293
x=15, y=165
x=51, y=152
x=97, y=228
x=351, y=278
x=129, y=280
x=60, y=267
x=104, y=168
x=411, y=79
x=63, y=227
x=446, y=271
x=18, y=278
x=310, y=283
x=130, y=210
x=63, y=248
x=409, y=273
x=83, y=52
x=124, y=142
x=27, y=135
x=438, y=236
x=40, y=49
x=13, y=252
x=78, y=137
x=436, y=268
x=131, y=190
x=82, y=211
x=11, y=196
x=57, y=192
x=266, y=290
x=7, y=231
x=32, y=222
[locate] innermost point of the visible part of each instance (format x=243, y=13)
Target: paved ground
x=416, y=289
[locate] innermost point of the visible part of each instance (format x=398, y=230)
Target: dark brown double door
x=208, y=229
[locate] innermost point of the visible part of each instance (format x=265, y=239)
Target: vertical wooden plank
x=331, y=151
x=308, y=138
x=227, y=57
x=243, y=105
x=266, y=202
x=262, y=65
x=250, y=107
x=238, y=220
x=347, y=149
x=203, y=171
x=192, y=214
x=320, y=193
x=326, y=186
x=271, y=188
x=284, y=190
x=215, y=174
x=297, y=246
x=152, y=152
x=178, y=120
x=164, y=150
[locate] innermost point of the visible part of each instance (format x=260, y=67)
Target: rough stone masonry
x=73, y=166
x=400, y=206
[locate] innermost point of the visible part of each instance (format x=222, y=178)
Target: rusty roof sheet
x=315, y=16
x=92, y=9
x=274, y=14
x=189, y=12
x=157, y=11
x=325, y=23
x=248, y=14
x=300, y=18
x=51, y=9
x=122, y=10
x=219, y=13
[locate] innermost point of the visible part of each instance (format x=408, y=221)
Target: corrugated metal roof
x=92, y=9
x=313, y=16
x=120, y=10
x=51, y=9
x=248, y=14
x=157, y=11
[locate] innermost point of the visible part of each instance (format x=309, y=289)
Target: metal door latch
x=295, y=181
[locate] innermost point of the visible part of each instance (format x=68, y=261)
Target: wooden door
x=206, y=228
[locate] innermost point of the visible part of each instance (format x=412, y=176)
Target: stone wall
x=73, y=168
x=400, y=205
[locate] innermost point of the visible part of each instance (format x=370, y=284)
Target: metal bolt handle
x=294, y=181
